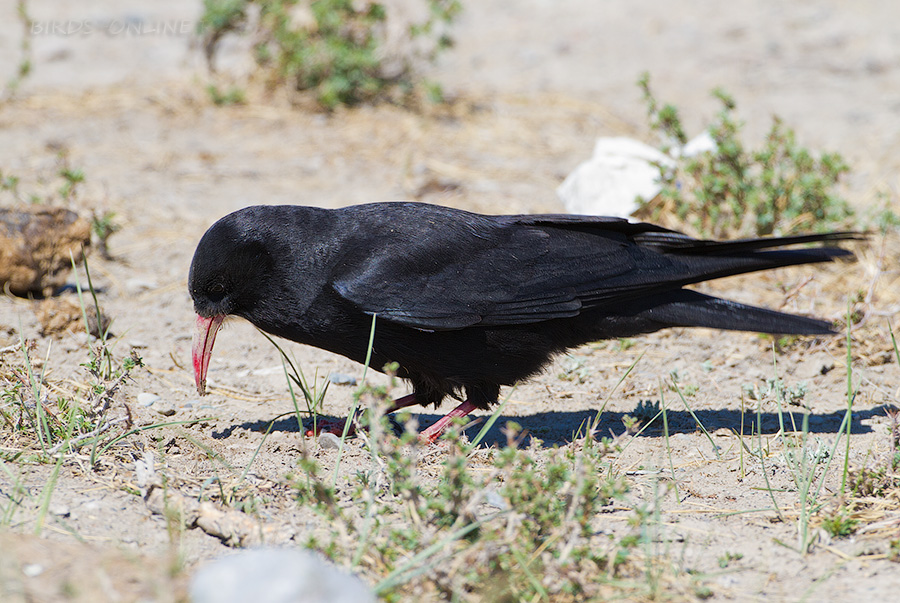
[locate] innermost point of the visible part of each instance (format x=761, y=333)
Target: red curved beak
x=205, y=330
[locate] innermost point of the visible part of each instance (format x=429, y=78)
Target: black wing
x=457, y=270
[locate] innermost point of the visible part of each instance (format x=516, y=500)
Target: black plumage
x=466, y=303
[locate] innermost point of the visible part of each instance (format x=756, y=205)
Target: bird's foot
x=333, y=426
x=431, y=434
x=428, y=436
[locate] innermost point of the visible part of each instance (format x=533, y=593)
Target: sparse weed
x=72, y=178
x=625, y=343
x=807, y=460
x=103, y=227
x=507, y=524
x=232, y=96
x=894, y=550
x=46, y=422
x=574, y=369
x=337, y=48
x=728, y=558
x=839, y=524
x=775, y=390
x=23, y=69
x=645, y=413
x=879, y=477
x=731, y=191
x=61, y=186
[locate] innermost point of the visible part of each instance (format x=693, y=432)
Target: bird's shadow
x=558, y=428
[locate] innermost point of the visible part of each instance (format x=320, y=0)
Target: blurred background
x=830, y=69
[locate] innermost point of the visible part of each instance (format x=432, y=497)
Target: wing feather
x=457, y=270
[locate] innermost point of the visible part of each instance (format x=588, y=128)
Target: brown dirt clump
x=37, y=246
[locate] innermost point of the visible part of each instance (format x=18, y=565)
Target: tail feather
x=674, y=242
x=692, y=309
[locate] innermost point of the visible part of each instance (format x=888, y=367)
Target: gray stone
x=276, y=576
x=329, y=440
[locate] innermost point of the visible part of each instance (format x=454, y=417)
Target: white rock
x=276, y=576
x=146, y=398
x=621, y=170
x=608, y=184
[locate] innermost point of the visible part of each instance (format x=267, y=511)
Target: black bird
x=467, y=302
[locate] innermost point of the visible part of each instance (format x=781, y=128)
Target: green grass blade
x=696, y=420
x=488, y=424
x=850, y=396
x=665, y=418
x=353, y=409
x=135, y=430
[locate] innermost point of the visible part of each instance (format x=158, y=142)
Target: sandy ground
x=534, y=83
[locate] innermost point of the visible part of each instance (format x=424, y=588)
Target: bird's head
x=231, y=265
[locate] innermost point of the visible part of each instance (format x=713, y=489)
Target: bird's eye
x=216, y=292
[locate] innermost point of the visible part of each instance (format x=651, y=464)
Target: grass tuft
x=731, y=191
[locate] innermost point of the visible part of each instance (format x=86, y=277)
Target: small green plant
x=884, y=218
x=61, y=186
x=103, y=227
x=232, y=96
x=625, y=343
x=23, y=69
x=894, y=550
x=574, y=369
x=645, y=412
x=336, y=48
x=880, y=477
x=728, y=558
x=48, y=428
x=9, y=183
x=777, y=390
x=72, y=177
x=778, y=189
x=688, y=389
x=839, y=524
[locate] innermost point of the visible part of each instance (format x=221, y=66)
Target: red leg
x=434, y=432
x=403, y=402
x=337, y=427
x=427, y=437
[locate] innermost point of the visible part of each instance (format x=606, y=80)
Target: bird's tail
x=685, y=308
x=703, y=260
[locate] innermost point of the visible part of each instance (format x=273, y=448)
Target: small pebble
x=146, y=398
x=494, y=499
x=144, y=469
x=167, y=411
x=329, y=440
x=60, y=510
x=32, y=570
x=342, y=379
